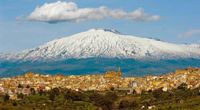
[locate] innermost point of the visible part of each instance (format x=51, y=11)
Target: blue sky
x=179, y=21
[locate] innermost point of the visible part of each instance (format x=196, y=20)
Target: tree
x=182, y=86
x=102, y=101
x=6, y=97
x=52, y=96
x=32, y=91
x=75, y=96
x=157, y=93
x=56, y=91
x=27, y=86
x=112, y=96
x=20, y=96
x=124, y=104
x=14, y=103
x=112, y=88
x=20, y=86
x=53, y=93
x=41, y=92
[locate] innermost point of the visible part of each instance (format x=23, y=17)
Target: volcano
x=99, y=50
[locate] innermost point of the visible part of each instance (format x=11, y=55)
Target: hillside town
x=25, y=84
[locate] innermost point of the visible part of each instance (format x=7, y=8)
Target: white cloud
x=190, y=33
x=70, y=12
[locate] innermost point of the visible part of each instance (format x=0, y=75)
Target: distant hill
x=129, y=67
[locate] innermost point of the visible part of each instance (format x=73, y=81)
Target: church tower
x=119, y=74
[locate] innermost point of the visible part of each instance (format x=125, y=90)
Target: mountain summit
x=108, y=43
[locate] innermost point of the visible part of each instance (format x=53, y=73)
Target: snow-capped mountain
x=107, y=43
x=99, y=50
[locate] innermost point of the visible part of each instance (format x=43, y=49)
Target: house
x=28, y=75
x=26, y=91
x=1, y=90
x=13, y=96
x=133, y=84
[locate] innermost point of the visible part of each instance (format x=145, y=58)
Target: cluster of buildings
x=189, y=76
x=24, y=84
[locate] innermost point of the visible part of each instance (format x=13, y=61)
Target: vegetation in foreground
x=65, y=99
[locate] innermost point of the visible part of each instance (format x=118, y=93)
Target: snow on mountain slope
x=108, y=43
